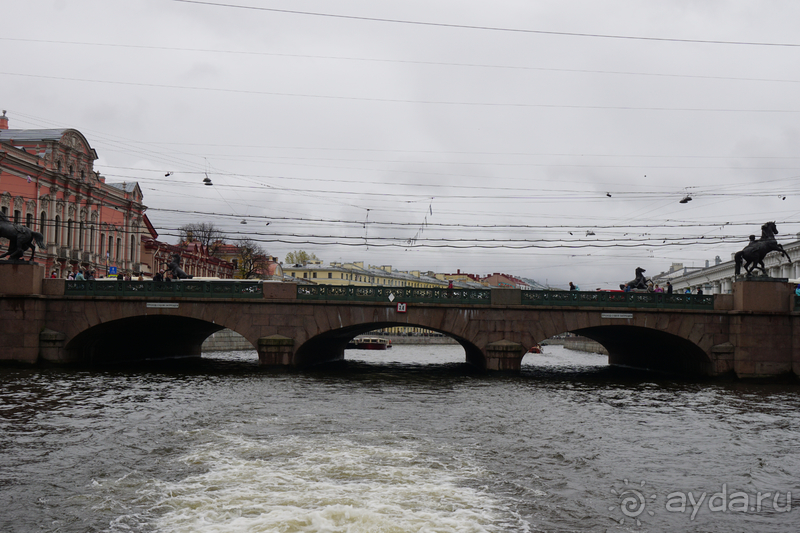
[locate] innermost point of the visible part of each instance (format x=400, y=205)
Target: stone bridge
x=750, y=333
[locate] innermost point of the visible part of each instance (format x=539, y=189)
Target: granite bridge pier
x=752, y=333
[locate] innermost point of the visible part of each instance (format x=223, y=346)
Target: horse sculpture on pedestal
x=20, y=238
x=754, y=253
x=175, y=268
x=640, y=282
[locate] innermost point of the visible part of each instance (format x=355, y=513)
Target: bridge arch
x=330, y=345
x=649, y=349
x=145, y=337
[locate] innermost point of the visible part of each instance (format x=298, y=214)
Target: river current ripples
x=404, y=440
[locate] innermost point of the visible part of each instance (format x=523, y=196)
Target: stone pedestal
x=763, y=294
x=275, y=350
x=20, y=278
x=504, y=355
x=762, y=330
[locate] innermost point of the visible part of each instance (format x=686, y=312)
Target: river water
x=405, y=440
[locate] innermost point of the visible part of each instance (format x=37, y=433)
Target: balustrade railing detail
x=618, y=299
x=393, y=294
x=162, y=289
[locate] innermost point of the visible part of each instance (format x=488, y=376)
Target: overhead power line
x=563, y=227
x=406, y=101
x=401, y=61
x=488, y=28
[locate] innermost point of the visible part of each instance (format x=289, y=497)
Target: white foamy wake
x=326, y=484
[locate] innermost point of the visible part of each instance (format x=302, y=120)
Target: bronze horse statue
x=639, y=283
x=175, y=268
x=20, y=238
x=753, y=254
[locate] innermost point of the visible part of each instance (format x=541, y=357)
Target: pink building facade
x=48, y=183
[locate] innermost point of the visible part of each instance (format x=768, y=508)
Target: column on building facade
x=41, y=215
x=58, y=224
x=50, y=216
x=70, y=240
x=727, y=286
x=101, y=241
x=93, y=231
x=82, y=226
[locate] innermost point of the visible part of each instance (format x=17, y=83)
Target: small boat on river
x=369, y=343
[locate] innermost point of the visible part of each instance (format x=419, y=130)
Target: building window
x=80, y=235
x=57, y=226
x=102, y=244
x=133, y=248
x=305, y=274
x=314, y=275
x=110, y=246
x=43, y=224
x=69, y=233
x=330, y=275
x=17, y=216
x=29, y=220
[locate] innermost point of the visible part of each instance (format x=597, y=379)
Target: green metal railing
x=391, y=294
x=484, y=296
x=349, y=293
x=656, y=300
x=160, y=289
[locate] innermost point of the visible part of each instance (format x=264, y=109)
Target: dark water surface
x=404, y=440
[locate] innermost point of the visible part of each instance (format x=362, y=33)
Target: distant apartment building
x=511, y=282
x=356, y=273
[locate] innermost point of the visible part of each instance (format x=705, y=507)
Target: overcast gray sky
x=547, y=139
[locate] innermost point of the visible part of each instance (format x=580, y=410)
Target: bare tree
x=252, y=260
x=205, y=233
